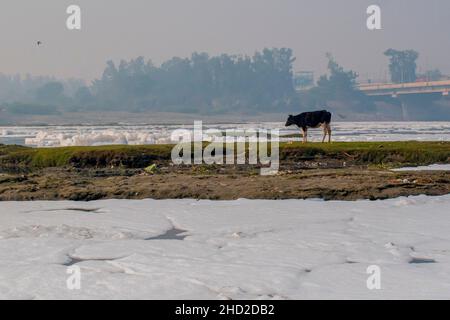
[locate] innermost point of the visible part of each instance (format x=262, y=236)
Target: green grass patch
x=101, y=156
x=382, y=154
x=375, y=153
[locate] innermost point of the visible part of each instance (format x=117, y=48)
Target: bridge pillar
x=405, y=113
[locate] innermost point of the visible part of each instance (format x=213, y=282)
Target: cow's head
x=290, y=121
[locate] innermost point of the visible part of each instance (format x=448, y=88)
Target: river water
x=55, y=136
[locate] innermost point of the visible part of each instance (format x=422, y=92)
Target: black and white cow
x=313, y=119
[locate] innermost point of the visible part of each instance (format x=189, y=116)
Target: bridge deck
x=381, y=89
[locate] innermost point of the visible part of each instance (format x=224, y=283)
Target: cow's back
x=316, y=118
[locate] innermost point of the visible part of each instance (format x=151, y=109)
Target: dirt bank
x=328, y=184
x=340, y=171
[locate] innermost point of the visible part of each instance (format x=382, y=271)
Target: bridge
x=396, y=89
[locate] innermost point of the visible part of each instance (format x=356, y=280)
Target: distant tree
x=431, y=75
x=340, y=82
x=51, y=92
x=273, y=76
x=339, y=85
x=19, y=88
x=83, y=97
x=31, y=109
x=402, y=65
x=200, y=83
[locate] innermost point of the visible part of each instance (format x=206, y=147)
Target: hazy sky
x=161, y=29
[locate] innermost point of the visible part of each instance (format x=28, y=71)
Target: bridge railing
x=409, y=85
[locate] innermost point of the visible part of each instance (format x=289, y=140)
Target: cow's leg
x=325, y=130
x=329, y=132
x=305, y=135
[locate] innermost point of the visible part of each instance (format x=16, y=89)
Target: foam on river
x=56, y=136
x=244, y=249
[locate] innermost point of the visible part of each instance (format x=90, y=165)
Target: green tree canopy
x=402, y=65
x=201, y=83
x=51, y=92
x=339, y=85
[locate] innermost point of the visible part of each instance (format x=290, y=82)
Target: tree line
x=199, y=84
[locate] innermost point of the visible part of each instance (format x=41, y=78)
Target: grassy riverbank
x=390, y=154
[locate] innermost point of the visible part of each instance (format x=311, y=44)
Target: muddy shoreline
x=327, y=184
x=338, y=171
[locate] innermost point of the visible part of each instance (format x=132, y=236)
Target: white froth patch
x=433, y=167
x=57, y=136
x=293, y=249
